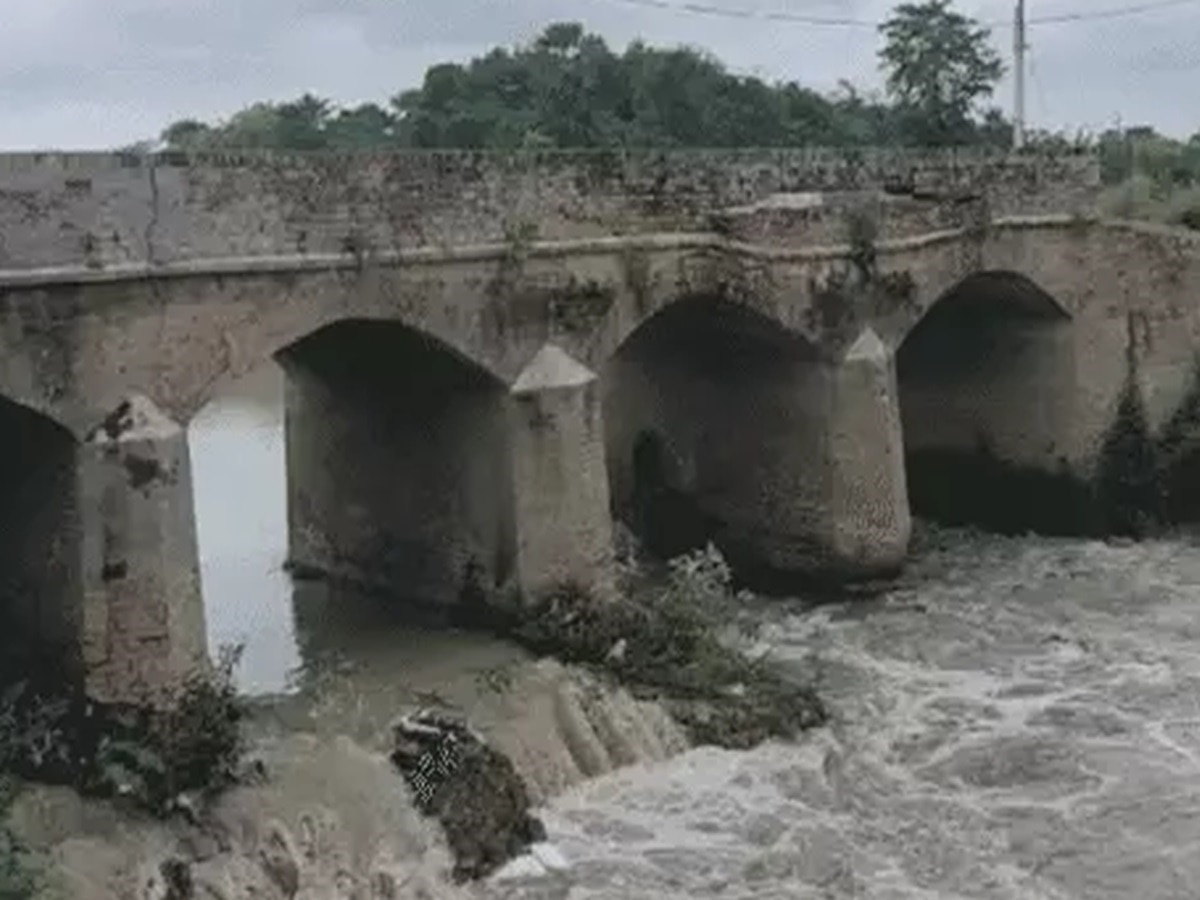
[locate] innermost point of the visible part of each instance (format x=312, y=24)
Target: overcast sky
x=99, y=73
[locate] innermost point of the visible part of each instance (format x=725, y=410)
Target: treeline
x=569, y=89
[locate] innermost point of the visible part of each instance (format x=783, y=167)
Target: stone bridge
x=490, y=358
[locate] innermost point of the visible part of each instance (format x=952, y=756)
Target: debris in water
x=469, y=787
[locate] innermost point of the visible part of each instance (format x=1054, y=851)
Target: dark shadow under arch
x=704, y=405
x=986, y=381
x=972, y=320
x=398, y=462
x=40, y=546
x=715, y=336
x=384, y=353
x=665, y=518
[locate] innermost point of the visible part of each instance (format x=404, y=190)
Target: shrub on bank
x=664, y=642
x=192, y=746
x=155, y=757
x=23, y=874
x=1128, y=482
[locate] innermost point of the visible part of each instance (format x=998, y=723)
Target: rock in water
x=469, y=787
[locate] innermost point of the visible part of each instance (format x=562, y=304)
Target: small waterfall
x=561, y=725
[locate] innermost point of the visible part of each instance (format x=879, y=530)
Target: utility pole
x=1019, y=48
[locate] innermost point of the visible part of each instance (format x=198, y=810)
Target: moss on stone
x=581, y=304
x=636, y=271
x=898, y=290
x=862, y=233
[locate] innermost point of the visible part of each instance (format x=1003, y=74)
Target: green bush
x=22, y=873
x=1127, y=481
x=664, y=641
x=191, y=744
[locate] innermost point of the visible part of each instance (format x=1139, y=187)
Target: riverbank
x=1014, y=719
x=647, y=677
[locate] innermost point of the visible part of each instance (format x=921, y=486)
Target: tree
x=255, y=127
x=939, y=64
x=187, y=134
x=301, y=124
x=367, y=126
x=561, y=37
x=568, y=88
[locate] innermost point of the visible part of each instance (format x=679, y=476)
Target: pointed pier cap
x=867, y=346
x=552, y=367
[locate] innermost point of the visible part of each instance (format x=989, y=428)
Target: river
x=316, y=658
x=238, y=472
x=1016, y=718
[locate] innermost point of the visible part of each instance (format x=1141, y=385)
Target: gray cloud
x=96, y=73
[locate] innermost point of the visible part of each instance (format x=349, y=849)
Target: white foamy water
x=1019, y=719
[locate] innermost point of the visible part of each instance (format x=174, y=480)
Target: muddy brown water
x=1016, y=718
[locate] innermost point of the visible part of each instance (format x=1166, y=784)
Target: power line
x=1109, y=13
x=705, y=9
x=709, y=9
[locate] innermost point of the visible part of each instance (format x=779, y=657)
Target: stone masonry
x=475, y=346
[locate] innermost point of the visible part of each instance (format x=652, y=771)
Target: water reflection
x=351, y=661
x=238, y=469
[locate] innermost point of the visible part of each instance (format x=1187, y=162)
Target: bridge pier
x=811, y=471
x=563, y=525
x=397, y=464
x=142, y=619
x=724, y=427
x=870, y=522
x=447, y=486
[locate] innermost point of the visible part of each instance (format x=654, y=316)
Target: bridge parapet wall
x=97, y=210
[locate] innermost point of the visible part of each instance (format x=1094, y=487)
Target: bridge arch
x=41, y=549
x=987, y=382
x=398, y=461
x=714, y=429
x=273, y=336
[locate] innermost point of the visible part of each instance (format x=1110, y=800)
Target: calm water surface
x=237, y=451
